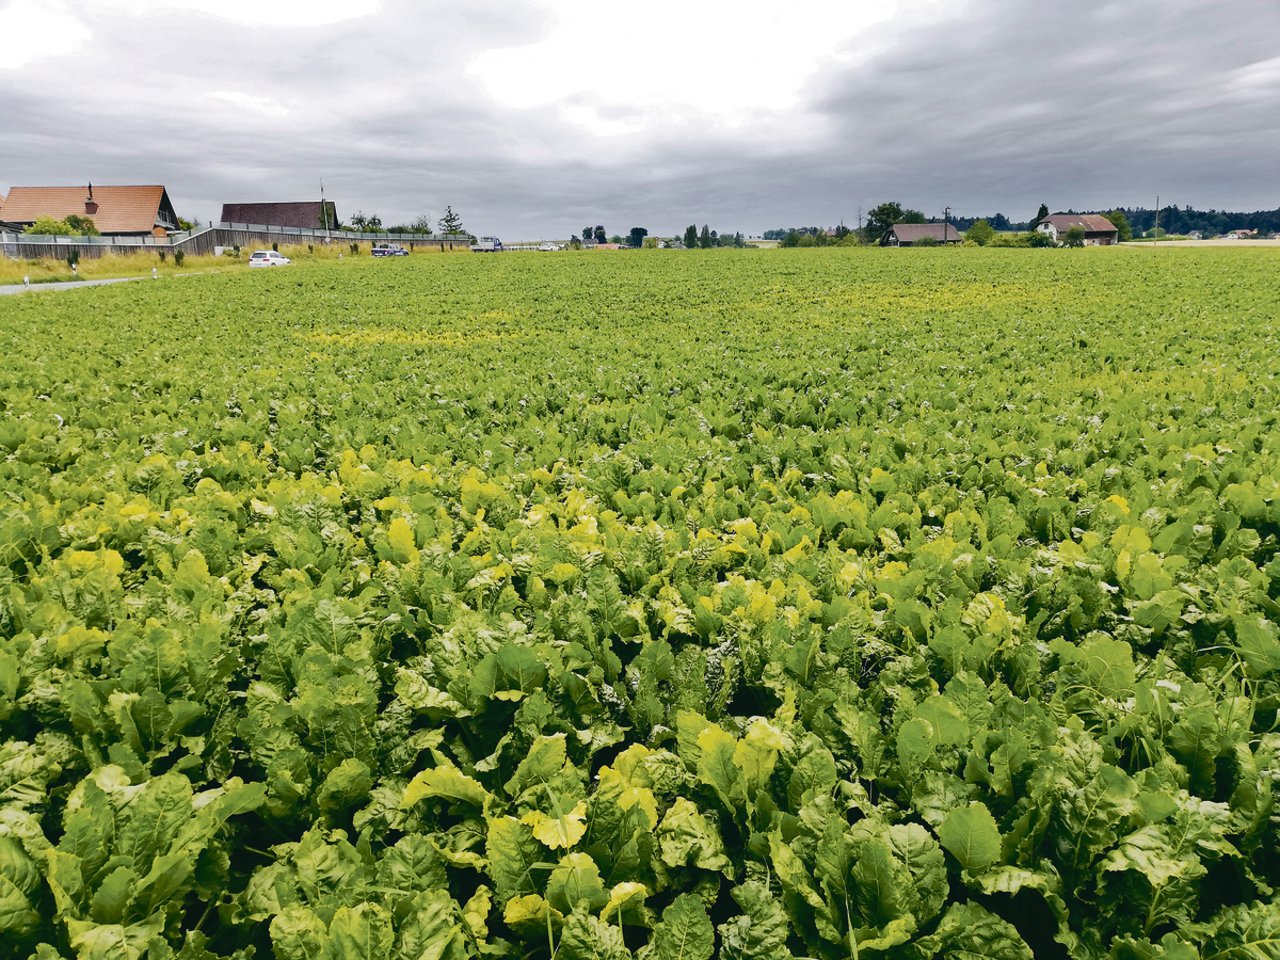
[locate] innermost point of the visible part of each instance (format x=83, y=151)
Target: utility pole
x=859, y=220
x=1156, y=229
x=946, y=224
x=324, y=209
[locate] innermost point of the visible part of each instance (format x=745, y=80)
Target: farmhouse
x=1098, y=230
x=909, y=234
x=117, y=211
x=309, y=214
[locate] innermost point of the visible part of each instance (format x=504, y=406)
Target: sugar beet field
x=816, y=604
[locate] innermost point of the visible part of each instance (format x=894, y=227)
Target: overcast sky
x=534, y=118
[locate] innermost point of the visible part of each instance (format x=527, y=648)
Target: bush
x=980, y=233
x=926, y=242
x=1037, y=239
x=73, y=258
x=49, y=227
x=163, y=256
x=178, y=257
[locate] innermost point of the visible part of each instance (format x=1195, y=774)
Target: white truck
x=487, y=245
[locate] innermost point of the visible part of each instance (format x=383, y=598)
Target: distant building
x=1195, y=235
x=310, y=214
x=117, y=211
x=1098, y=230
x=909, y=234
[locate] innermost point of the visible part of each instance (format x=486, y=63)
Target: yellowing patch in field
x=376, y=337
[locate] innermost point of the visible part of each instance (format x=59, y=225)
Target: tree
x=637, y=235
x=599, y=234
x=650, y=243
x=1123, y=227
x=880, y=220
x=704, y=238
x=422, y=224
x=691, y=236
x=1036, y=238
x=359, y=220
x=588, y=234
x=980, y=233
x=1040, y=214
x=618, y=238
x=450, y=223
x=1074, y=237
x=374, y=222
x=85, y=227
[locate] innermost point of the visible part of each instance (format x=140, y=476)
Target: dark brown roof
x=120, y=209
x=1091, y=222
x=914, y=232
x=299, y=213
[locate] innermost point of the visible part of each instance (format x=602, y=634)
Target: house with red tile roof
x=1098, y=230
x=117, y=211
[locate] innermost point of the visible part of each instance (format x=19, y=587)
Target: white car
x=268, y=258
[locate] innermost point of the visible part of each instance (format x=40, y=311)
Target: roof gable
x=1090, y=222
x=295, y=213
x=914, y=232
x=119, y=209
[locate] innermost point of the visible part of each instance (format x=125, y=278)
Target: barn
x=307, y=214
x=1098, y=230
x=909, y=234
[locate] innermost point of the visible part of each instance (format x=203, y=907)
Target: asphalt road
x=68, y=285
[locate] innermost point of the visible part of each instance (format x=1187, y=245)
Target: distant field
x=47, y=269
x=815, y=603
x=1220, y=242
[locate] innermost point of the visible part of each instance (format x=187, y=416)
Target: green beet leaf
x=970, y=835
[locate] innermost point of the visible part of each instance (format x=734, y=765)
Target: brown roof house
x=309, y=214
x=1098, y=230
x=909, y=234
x=117, y=211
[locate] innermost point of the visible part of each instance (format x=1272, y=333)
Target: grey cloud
x=1082, y=104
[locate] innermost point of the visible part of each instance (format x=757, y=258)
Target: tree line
x=638, y=237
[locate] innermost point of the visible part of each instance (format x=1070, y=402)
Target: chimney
x=90, y=205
